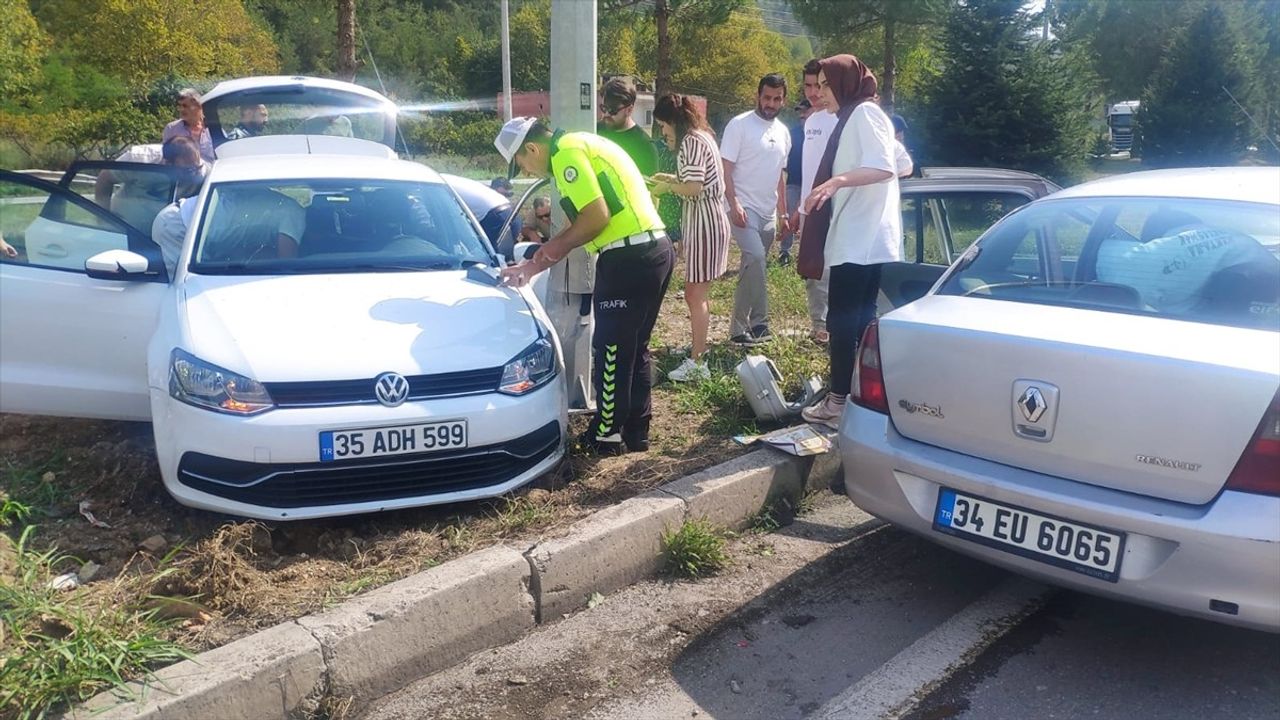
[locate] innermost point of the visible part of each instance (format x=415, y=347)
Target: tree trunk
x=661, y=14
x=347, y=39
x=890, y=66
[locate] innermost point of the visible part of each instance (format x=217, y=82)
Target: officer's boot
x=636, y=436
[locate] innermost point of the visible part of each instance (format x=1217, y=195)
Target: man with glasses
x=617, y=102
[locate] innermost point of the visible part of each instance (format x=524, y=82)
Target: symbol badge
x=1034, y=409
x=391, y=389
x=570, y=174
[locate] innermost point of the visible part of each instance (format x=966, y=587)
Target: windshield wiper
x=380, y=267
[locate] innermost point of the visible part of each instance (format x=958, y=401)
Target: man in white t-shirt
x=817, y=129
x=754, y=149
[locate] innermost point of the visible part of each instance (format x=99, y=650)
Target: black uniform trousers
x=851, y=306
x=630, y=284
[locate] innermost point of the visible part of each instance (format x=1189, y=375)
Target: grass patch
x=522, y=513
x=695, y=550
x=36, y=486
x=59, y=647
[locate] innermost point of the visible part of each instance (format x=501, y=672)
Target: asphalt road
x=839, y=616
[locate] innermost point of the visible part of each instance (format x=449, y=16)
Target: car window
x=1203, y=261
x=969, y=214
x=296, y=111
x=46, y=229
x=921, y=238
x=133, y=192
x=327, y=226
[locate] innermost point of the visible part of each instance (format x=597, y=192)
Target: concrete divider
x=732, y=494
x=381, y=641
x=608, y=550
x=268, y=674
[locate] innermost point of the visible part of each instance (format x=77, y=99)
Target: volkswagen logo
x=391, y=389
x=1032, y=404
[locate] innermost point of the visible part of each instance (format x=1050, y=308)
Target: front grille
x=350, y=392
x=291, y=485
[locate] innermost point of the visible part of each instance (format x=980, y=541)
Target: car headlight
x=196, y=382
x=530, y=369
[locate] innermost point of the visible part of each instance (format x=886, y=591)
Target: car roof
x=268, y=82
x=1250, y=184
x=320, y=166
x=946, y=173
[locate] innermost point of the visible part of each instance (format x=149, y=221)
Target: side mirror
x=116, y=265
x=524, y=250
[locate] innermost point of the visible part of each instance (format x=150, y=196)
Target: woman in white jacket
x=854, y=223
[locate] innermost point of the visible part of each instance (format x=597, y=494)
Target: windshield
x=1198, y=260
x=330, y=226
x=1121, y=121
x=299, y=111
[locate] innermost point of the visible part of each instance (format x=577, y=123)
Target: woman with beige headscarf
x=854, y=223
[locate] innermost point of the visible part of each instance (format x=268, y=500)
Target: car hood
x=350, y=326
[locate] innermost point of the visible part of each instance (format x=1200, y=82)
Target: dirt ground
x=245, y=575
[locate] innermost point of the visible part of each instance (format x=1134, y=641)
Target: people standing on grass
x=818, y=127
x=803, y=109
x=699, y=184
x=854, y=222
x=754, y=151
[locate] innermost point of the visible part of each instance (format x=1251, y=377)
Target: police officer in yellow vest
x=612, y=215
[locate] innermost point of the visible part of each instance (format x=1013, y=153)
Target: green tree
x=139, y=41
x=22, y=48
x=1005, y=98
x=1187, y=117
x=671, y=14
x=898, y=23
x=1126, y=39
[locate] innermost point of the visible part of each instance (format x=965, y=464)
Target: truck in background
x=1120, y=125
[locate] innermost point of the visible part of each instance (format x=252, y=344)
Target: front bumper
x=1219, y=561
x=267, y=466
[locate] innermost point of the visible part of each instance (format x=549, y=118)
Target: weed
x=12, y=511
x=59, y=647
x=765, y=521
x=695, y=550
x=459, y=535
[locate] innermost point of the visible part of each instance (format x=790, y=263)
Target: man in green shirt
x=617, y=103
x=611, y=215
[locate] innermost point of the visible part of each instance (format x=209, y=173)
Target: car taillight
x=1258, y=470
x=868, y=377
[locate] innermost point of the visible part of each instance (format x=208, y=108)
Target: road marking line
x=894, y=687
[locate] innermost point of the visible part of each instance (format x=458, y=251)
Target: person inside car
x=253, y=120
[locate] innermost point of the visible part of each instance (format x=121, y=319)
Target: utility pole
x=506, y=61
x=573, y=64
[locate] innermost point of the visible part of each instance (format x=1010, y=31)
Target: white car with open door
x=328, y=337
x=1090, y=395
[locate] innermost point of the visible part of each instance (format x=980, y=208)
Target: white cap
x=511, y=138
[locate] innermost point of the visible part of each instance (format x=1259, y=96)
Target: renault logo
x=390, y=388
x=1032, y=404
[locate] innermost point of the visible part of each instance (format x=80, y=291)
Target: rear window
x=330, y=226
x=1198, y=260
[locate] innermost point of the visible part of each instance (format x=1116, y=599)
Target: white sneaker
x=827, y=412
x=690, y=370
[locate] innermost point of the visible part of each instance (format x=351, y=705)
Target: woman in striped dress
x=699, y=184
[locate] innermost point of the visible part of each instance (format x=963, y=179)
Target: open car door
x=134, y=192
x=938, y=224
x=79, y=298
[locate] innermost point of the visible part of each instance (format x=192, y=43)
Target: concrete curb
x=381, y=641
x=267, y=674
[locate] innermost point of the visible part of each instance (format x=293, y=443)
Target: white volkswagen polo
x=327, y=338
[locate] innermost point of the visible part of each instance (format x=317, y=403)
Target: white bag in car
x=761, y=382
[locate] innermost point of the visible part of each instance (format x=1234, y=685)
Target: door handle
x=53, y=251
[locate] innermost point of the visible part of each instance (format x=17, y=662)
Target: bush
x=462, y=133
